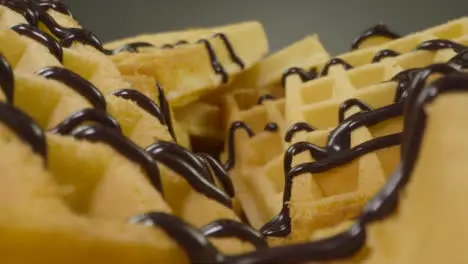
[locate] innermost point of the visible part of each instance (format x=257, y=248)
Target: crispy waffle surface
x=323, y=203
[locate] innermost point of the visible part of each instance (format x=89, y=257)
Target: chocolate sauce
x=86, y=115
x=77, y=83
x=333, y=62
x=215, y=63
x=55, y=5
x=404, y=79
x=220, y=173
x=271, y=127
x=45, y=39
x=232, y=54
x=379, y=30
x=348, y=104
x=23, y=7
x=225, y=228
x=460, y=61
x=440, y=44
x=296, y=128
x=129, y=47
x=265, y=97
x=124, y=146
x=181, y=42
x=25, y=128
x=142, y=101
x=231, y=161
x=196, y=246
x=7, y=80
x=303, y=74
x=166, y=111
x=385, y=53
x=280, y=226
x=83, y=36
x=186, y=164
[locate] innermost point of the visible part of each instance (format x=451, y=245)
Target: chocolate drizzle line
x=45, y=39
x=25, y=128
x=385, y=53
x=404, y=79
x=229, y=228
x=196, y=246
x=83, y=36
x=439, y=44
x=166, y=110
x=220, y=173
x=55, y=5
x=296, y=128
x=187, y=165
x=231, y=161
x=348, y=104
x=142, y=101
x=303, y=74
x=215, y=63
x=126, y=147
x=333, y=62
x=77, y=83
x=271, y=127
x=379, y=30
x=234, y=57
x=264, y=98
x=460, y=61
x=7, y=80
x=85, y=115
x=23, y=8
x=130, y=47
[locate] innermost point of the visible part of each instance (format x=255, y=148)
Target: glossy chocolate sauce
x=186, y=164
x=226, y=228
x=23, y=7
x=271, y=127
x=231, y=161
x=142, y=101
x=303, y=74
x=25, y=128
x=7, y=80
x=440, y=44
x=379, y=30
x=460, y=61
x=350, y=103
x=333, y=62
x=265, y=97
x=232, y=54
x=77, y=83
x=166, y=111
x=385, y=53
x=196, y=246
x=86, y=115
x=403, y=80
x=129, y=47
x=215, y=63
x=55, y=5
x=296, y=128
x=83, y=36
x=124, y=146
x=220, y=173
x=45, y=39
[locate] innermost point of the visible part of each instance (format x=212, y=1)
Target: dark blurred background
x=337, y=22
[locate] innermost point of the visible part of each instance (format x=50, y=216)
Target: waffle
x=322, y=99
x=227, y=50
x=89, y=64
x=317, y=154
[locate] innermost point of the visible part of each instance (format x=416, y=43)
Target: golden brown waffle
x=334, y=199
x=190, y=70
x=309, y=93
